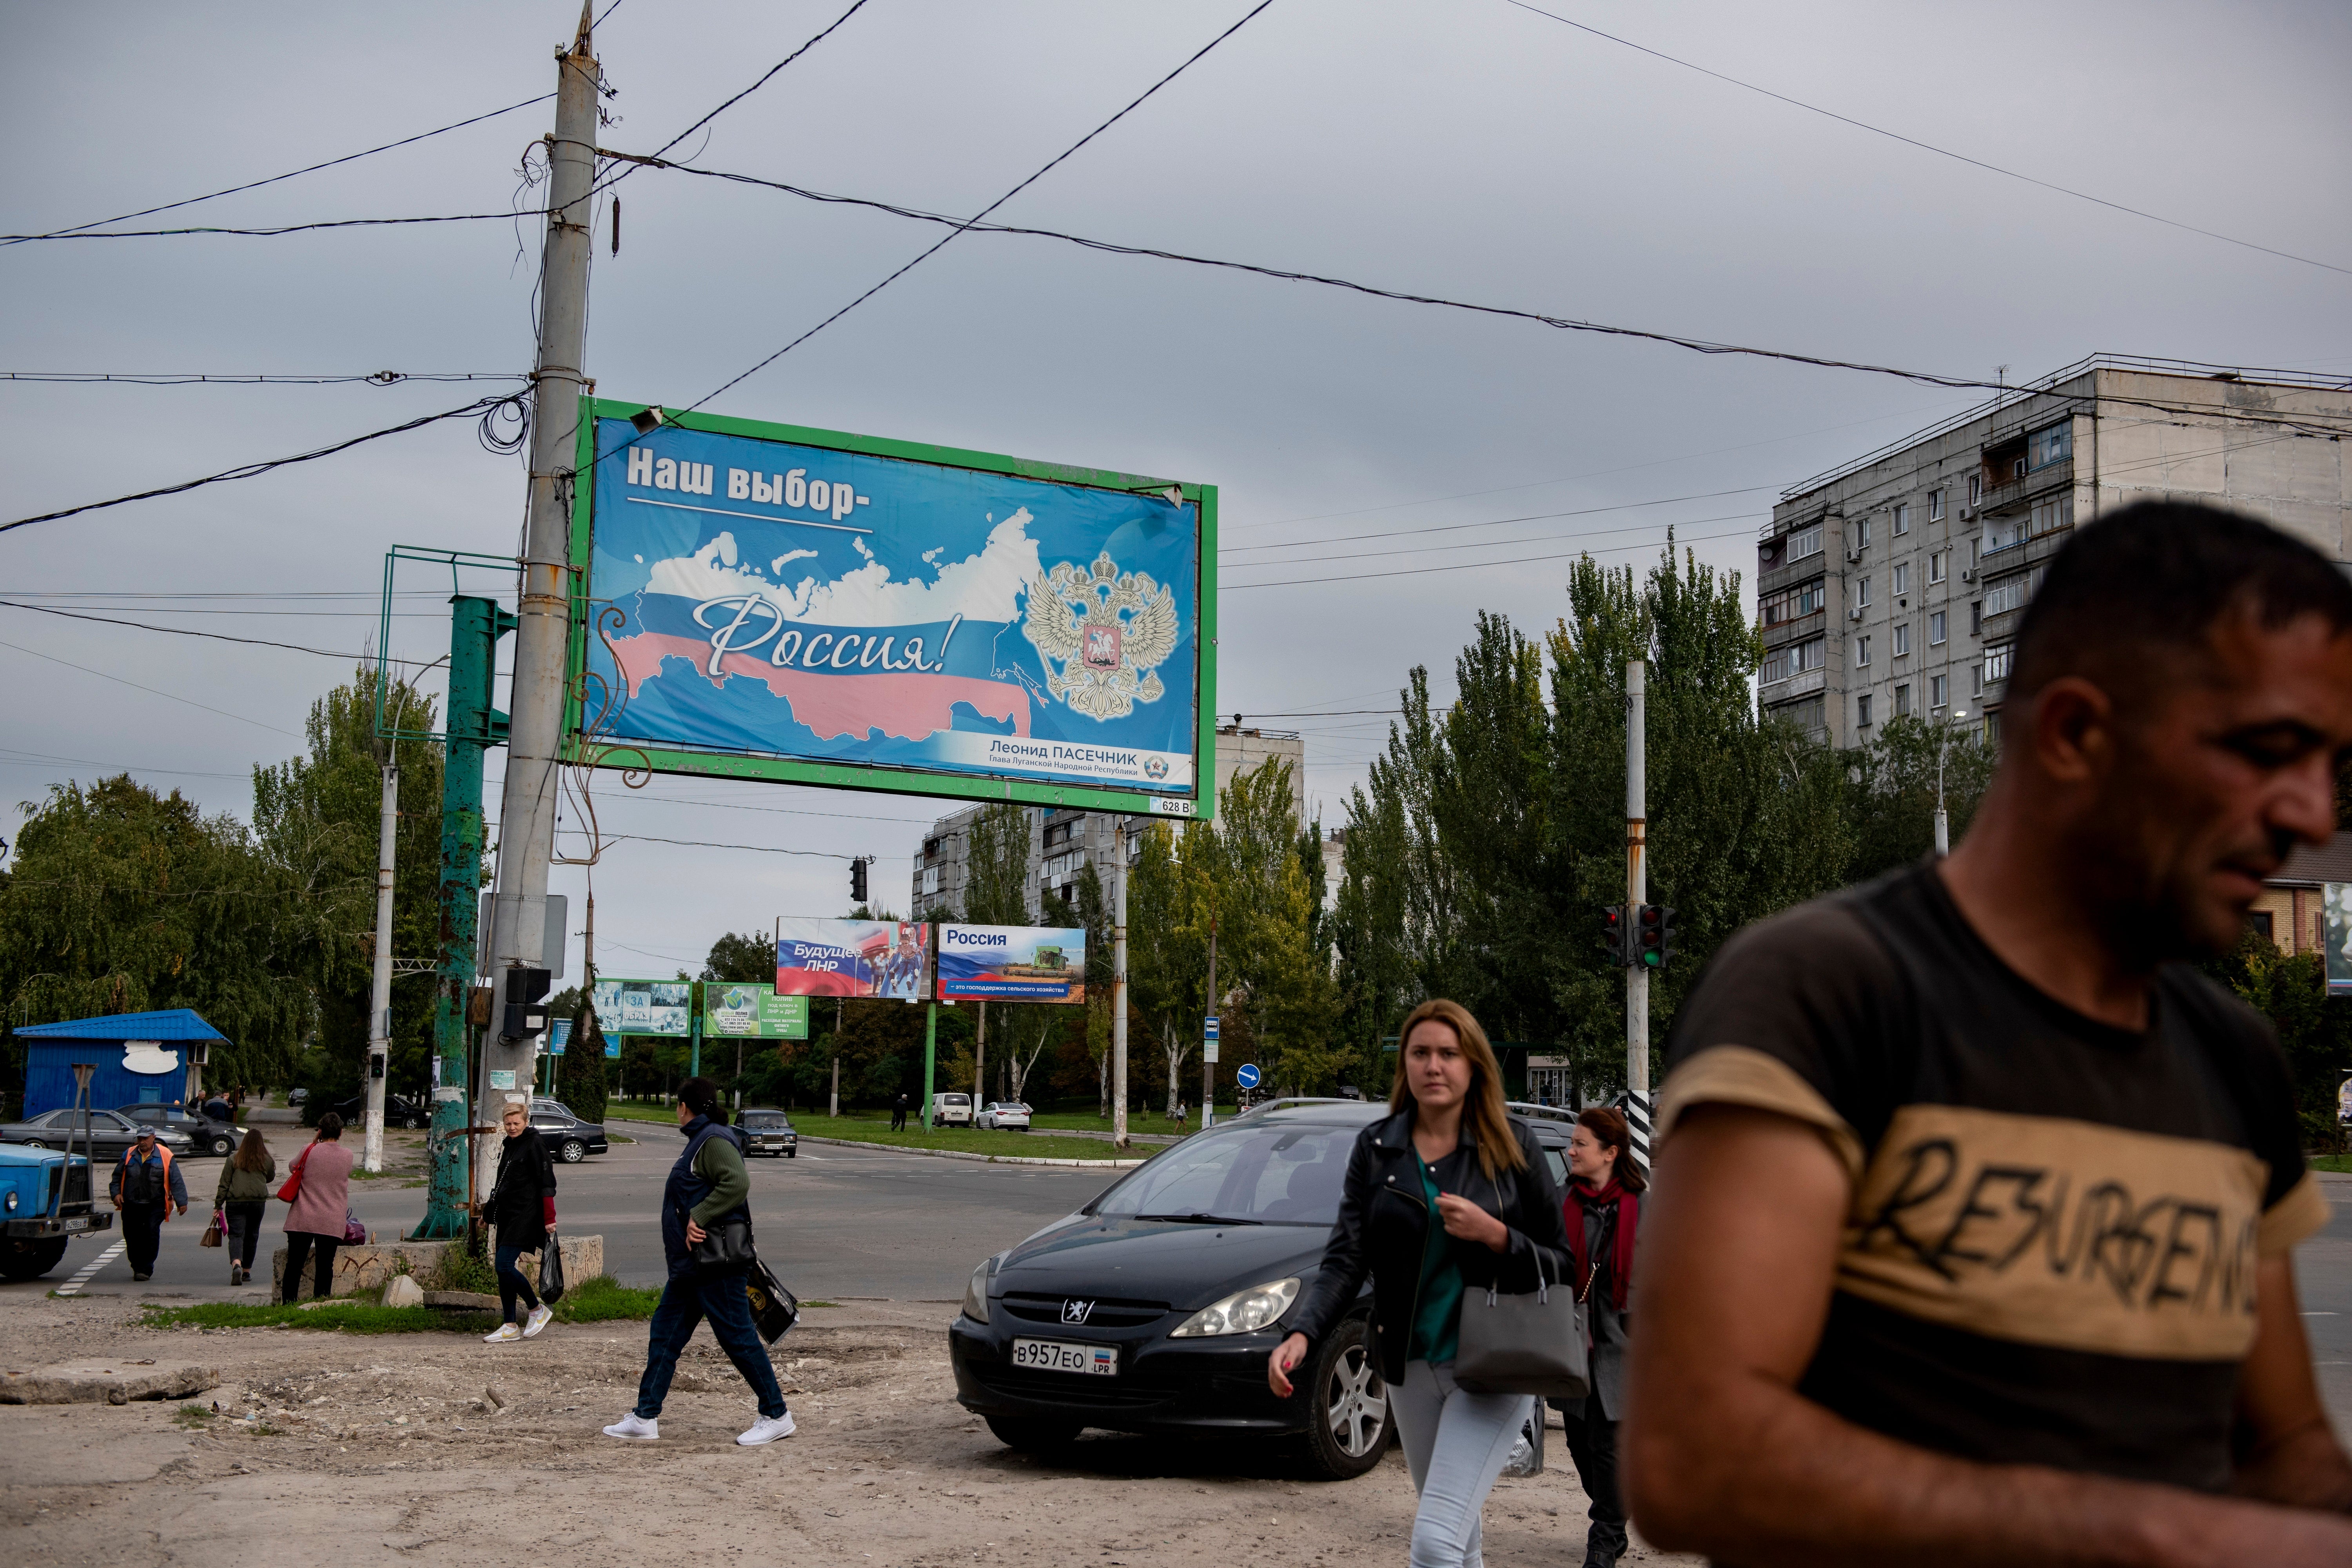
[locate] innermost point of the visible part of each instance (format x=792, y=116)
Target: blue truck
x=45, y=1201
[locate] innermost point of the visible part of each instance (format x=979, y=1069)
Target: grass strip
x=1030, y=1145
x=601, y=1300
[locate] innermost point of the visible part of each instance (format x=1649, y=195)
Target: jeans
x=511, y=1284
x=244, y=1231
x=142, y=1233
x=298, y=1244
x=1592, y=1439
x=686, y=1301
x=1455, y=1445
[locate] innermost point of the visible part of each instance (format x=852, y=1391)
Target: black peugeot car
x=1154, y=1308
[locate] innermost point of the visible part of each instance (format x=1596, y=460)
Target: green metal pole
x=475, y=628
x=930, y=1057
x=694, y=1068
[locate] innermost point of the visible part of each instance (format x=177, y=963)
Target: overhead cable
x=1483, y=544
x=958, y=227
x=257, y=184
x=234, y=378
x=486, y=408
x=1929, y=146
x=169, y=696
x=215, y=637
x=1496, y=523
x=1475, y=566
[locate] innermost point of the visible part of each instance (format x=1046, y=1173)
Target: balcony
x=2056, y=476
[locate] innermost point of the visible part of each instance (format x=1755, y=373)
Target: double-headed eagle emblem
x=1102, y=633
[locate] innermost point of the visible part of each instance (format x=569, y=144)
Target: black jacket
x=1383, y=1226
x=517, y=1199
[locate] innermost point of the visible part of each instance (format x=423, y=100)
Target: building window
x=1996, y=662
x=1862, y=650
x=1993, y=729
x=2012, y=593
x=1790, y=604
x=1795, y=659
x=1862, y=711
x=1935, y=506
x=1902, y=638
x=1902, y=701
x=2003, y=533
x=1902, y=578
x=2051, y=515
x=931, y=878
x=2259, y=920
x=1805, y=542
x=1939, y=690
x=1902, y=518
x=1936, y=629
x=1861, y=532
x=1938, y=565
x=1976, y=618
x=1976, y=488
x=2055, y=445
x=1862, y=593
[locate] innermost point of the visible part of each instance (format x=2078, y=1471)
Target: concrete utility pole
x=1208, y=1048
x=379, y=1060
x=1943, y=822
x=834, y=1107
x=526, y=801
x=1119, y=987
x=1637, y=883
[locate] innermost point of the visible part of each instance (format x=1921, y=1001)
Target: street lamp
x=1943, y=822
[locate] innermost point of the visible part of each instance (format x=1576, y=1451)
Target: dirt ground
x=404, y=1448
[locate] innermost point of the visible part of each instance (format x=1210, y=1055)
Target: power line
x=1491, y=543
x=151, y=690
x=1929, y=147
x=1474, y=565
x=275, y=229
x=257, y=184
x=1497, y=523
x=486, y=407
x=216, y=637
x=960, y=228
x=230, y=378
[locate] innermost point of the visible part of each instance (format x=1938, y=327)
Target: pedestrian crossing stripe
x=73, y=1286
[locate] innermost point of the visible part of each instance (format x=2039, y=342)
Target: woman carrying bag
x=318, y=1197
x=522, y=1207
x=1604, y=1211
x=243, y=1198
x=1446, y=1195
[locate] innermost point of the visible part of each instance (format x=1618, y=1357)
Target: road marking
x=73, y=1286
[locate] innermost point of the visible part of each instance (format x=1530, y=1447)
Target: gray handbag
x=1532, y=1343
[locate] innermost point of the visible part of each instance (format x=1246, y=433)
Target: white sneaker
x=540, y=1316
x=506, y=1332
x=635, y=1427
x=766, y=1429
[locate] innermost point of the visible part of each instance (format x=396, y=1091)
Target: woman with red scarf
x=1603, y=1211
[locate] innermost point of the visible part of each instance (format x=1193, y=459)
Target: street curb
x=983, y=1159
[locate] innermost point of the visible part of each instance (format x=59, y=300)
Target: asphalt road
x=834, y=1223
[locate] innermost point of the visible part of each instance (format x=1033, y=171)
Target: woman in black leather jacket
x=1446, y=1195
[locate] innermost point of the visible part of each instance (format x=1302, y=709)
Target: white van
x=951, y=1110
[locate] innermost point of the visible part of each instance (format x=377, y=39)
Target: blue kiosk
x=142, y=1059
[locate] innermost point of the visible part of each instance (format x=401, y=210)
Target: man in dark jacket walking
x=899, y=1113
x=705, y=1192
x=146, y=1186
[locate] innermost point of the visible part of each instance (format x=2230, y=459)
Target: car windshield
x=768, y=1122
x=1271, y=1174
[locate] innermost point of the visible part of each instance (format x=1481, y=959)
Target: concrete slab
x=92, y=1383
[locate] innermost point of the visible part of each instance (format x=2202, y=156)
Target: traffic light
x=526, y=1002
x=857, y=881
x=1654, y=935
x=1613, y=934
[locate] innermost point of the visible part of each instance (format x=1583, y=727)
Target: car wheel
x=30, y=1259
x=792, y=1154
x=1033, y=1436
x=34, y=1143
x=224, y=1145
x=574, y=1150
x=1351, y=1427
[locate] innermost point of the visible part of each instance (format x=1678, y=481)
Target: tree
x=579, y=1070
x=1892, y=784
x=2315, y=1029
x=995, y=892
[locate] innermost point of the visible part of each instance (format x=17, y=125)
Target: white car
x=1003, y=1115
x=952, y=1111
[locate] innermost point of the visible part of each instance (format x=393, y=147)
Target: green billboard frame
x=637, y=757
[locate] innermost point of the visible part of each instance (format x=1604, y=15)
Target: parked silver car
x=1002, y=1116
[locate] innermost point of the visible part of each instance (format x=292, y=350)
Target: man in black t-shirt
x=1975, y=1212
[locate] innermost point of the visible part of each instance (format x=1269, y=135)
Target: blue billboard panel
x=854, y=958
x=800, y=602
x=1013, y=963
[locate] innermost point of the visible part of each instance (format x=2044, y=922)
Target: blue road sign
x=1246, y=1075
x=1211, y=1026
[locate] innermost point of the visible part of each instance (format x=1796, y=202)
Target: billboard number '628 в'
x=795, y=605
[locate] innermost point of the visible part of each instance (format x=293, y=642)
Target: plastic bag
x=1527, y=1449
x=551, y=1271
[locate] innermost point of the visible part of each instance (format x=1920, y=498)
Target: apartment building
x=1893, y=584
x=1064, y=841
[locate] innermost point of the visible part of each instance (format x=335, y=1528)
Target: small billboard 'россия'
x=888, y=959
x=773, y=602
x=1013, y=963
x=752, y=1011
x=643, y=1007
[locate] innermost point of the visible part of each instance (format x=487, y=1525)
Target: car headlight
x=12, y=1203
x=1241, y=1313
x=975, y=1294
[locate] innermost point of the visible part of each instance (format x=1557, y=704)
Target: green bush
x=463, y=1268
x=580, y=1071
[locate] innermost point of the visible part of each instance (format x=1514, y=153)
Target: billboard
x=1012, y=963
x=2335, y=923
x=766, y=601
x=755, y=1011
x=642, y=1007
x=854, y=958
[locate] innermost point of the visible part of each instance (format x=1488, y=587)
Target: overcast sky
x=1472, y=150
